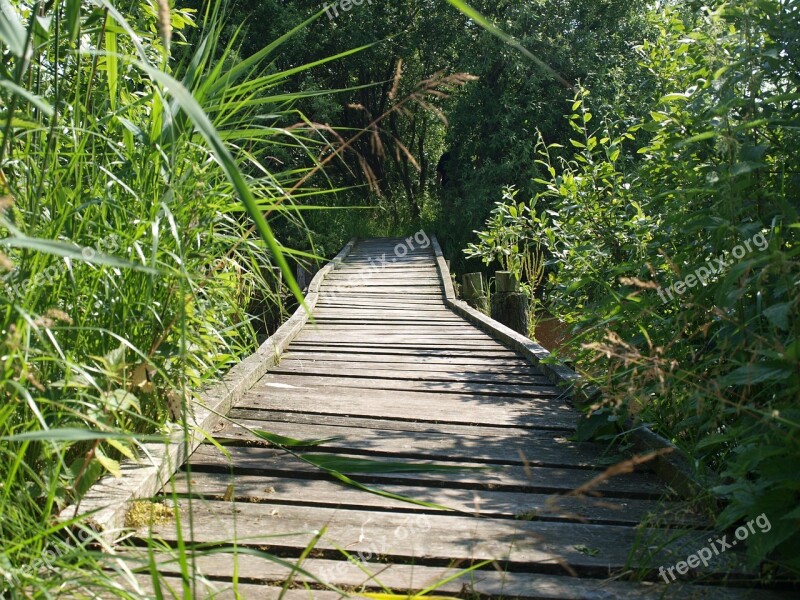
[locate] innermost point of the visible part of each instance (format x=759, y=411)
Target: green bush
x=637, y=222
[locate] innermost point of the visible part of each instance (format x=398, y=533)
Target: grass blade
x=280, y=440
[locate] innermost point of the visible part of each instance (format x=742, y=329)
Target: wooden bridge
x=389, y=372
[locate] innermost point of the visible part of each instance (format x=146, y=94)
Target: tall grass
x=132, y=168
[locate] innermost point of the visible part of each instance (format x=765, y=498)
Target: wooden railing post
x=509, y=305
x=474, y=291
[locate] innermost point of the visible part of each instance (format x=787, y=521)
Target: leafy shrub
x=673, y=243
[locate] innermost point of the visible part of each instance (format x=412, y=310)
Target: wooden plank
x=368, y=289
x=405, y=303
x=409, y=297
x=409, y=328
x=311, y=382
x=511, y=478
x=393, y=425
x=486, y=503
x=357, y=301
x=413, y=361
x=391, y=283
x=204, y=588
x=413, y=331
x=420, y=406
x=407, y=348
x=533, y=545
x=387, y=319
x=398, y=275
x=442, y=340
x=362, y=576
x=357, y=362
x=401, y=351
x=480, y=346
x=348, y=316
x=404, y=272
x=502, y=448
x=361, y=371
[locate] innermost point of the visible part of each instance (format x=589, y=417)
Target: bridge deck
x=392, y=374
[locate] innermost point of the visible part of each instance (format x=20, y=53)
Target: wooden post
x=304, y=276
x=509, y=305
x=474, y=291
x=505, y=282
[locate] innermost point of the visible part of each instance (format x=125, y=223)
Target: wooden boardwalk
x=392, y=374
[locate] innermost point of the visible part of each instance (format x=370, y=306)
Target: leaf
x=778, y=315
x=288, y=442
x=673, y=98
x=119, y=400
x=73, y=16
x=71, y=251
x=112, y=67
x=121, y=448
x=142, y=378
x=109, y=464
x=756, y=373
x=12, y=31
x=706, y=135
x=575, y=285
x=70, y=434
x=38, y=102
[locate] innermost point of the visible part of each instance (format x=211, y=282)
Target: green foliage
x=133, y=189
x=672, y=233
x=493, y=123
x=512, y=239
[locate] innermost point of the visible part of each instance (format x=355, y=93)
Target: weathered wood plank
x=486, y=503
x=345, y=317
x=203, y=588
x=410, y=276
x=361, y=576
x=394, y=425
x=413, y=361
x=419, y=406
x=514, y=449
x=534, y=545
x=512, y=478
x=467, y=345
x=311, y=382
x=361, y=371
x=413, y=330
x=356, y=301
x=402, y=332
x=415, y=353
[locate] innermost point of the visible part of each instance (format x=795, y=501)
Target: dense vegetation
x=155, y=162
